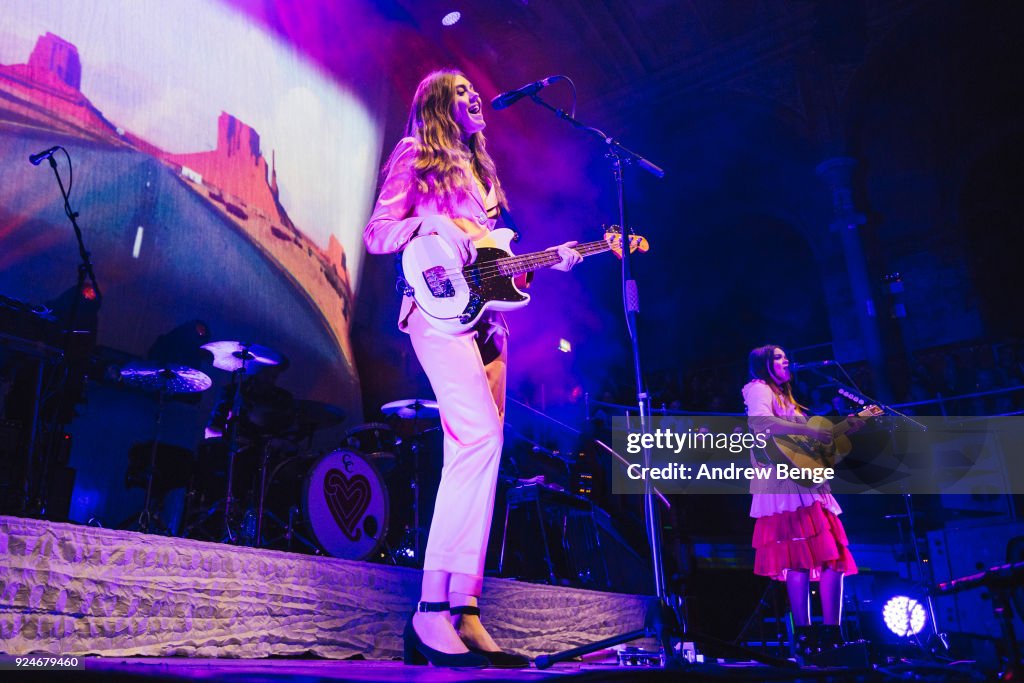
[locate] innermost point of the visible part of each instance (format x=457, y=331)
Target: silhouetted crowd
x=978, y=379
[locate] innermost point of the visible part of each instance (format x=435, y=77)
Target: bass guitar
x=453, y=296
x=808, y=453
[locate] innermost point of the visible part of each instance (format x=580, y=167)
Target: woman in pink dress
x=798, y=537
x=441, y=180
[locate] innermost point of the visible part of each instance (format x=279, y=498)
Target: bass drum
x=342, y=501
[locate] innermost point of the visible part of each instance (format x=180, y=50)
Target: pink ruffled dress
x=796, y=527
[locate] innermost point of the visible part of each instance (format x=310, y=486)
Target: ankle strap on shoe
x=466, y=609
x=432, y=606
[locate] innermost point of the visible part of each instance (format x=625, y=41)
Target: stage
x=380, y=672
x=132, y=606
x=188, y=669
x=76, y=590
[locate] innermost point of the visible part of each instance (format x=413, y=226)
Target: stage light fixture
x=565, y=346
x=904, y=616
x=451, y=18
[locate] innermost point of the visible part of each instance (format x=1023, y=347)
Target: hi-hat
x=233, y=355
x=411, y=408
x=171, y=379
x=317, y=415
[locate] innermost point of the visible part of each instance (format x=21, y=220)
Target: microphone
x=507, y=99
x=36, y=159
x=807, y=366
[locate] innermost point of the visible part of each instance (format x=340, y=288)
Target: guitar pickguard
x=472, y=309
x=472, y=274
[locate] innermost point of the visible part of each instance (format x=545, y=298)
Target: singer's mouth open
x=475, y=109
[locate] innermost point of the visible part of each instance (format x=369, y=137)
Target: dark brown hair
x=759, y=363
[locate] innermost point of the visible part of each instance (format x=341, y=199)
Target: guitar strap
x=510, y=223
x=401, y=286
x=763, y=457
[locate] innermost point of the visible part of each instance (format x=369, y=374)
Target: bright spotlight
x=904, y=616
x=451, y=18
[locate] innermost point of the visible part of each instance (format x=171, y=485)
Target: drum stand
x=230, y=535
x=415, y=443
x=415, y=485
x=263, y=494
x=289, y=532
x=144, y=516
x=237, y=378
x=166, y=380
x=289, y=526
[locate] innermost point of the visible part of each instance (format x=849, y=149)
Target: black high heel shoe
x=415, y=652
x=497, y=659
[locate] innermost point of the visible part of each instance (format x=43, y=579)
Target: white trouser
x=471, y=397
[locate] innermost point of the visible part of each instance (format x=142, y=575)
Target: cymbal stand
x=263, y=493
x=289, y=526
x=289, y=531
x=261, y=504
x=416, y=444
x=236, y=409
x=941, y=637
x=145, y=516
x=416, y=486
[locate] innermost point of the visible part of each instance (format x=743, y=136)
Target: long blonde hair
x=441, y=154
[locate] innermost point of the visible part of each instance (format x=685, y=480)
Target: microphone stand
x=85, y=267
x=662, y=620
x=37, y=490
x=854, y=389
x=907, y=499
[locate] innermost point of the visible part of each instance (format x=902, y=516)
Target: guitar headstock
x=613, y=236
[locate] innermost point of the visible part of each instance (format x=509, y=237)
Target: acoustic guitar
x=808, y=453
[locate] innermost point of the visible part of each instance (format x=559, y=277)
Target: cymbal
x=171, y=379
x=233, y=355
x=317, y=415
x=412, y=408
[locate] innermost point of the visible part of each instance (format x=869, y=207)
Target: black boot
x=805, y=643
x=831, y=636
x=834, y=651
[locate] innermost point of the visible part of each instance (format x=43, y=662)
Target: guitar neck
x=516, y=265
x=841, y=427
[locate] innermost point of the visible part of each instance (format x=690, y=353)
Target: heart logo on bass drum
x=347, y=500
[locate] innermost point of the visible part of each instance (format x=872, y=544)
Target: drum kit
x=259, y=483
x=339, y=503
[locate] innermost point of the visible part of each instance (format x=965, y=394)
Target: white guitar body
x=453, y=297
